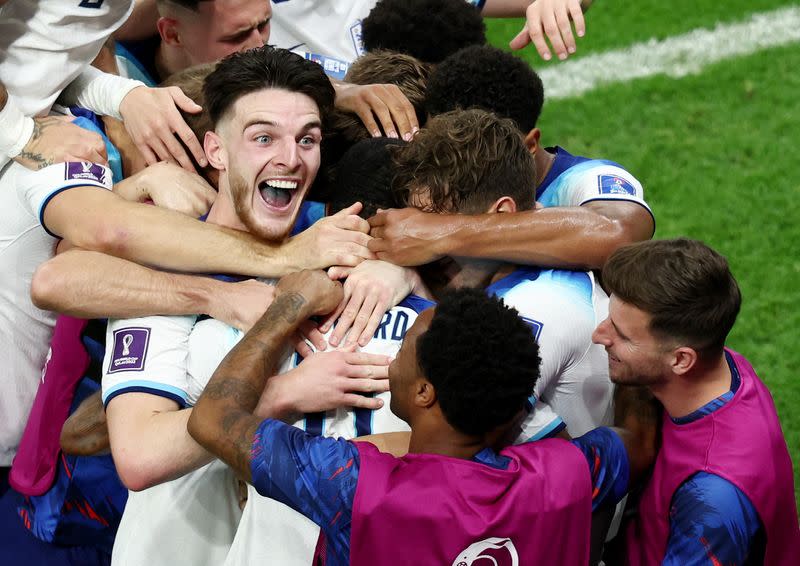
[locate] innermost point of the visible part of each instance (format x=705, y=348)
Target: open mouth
x=278, y=193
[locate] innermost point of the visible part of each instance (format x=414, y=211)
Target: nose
x=288, y=156
x=601, y=335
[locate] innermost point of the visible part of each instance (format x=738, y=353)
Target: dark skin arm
x=222, y=420
x=85, y=432
x=580, y=237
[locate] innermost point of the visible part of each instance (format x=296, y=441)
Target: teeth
x=280, y=184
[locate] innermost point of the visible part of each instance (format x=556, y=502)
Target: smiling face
x=269, y=152
x=635, y=356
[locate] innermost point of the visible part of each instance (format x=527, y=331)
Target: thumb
x=354, y=208
x=182, y=101
x=522, y=39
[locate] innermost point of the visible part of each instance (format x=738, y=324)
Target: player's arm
x=76, y=283
x=575, y=237
x=223, y=420
x=85, y=432
x=711, y=522
x=98, y=220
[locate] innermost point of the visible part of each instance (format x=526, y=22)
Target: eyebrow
x=246, y=30
x=269, y=123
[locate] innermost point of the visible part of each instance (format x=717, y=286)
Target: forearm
x=85, y=432
x=75, y=283
x=148, y=235
x=100, y=92
x=505, y=8
x=222, y=419
x=569, y=238
x=157, y=449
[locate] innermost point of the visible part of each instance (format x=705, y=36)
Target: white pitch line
x=676, y=56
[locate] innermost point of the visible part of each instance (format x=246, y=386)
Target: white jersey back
x=563, y=308
x=272, y=533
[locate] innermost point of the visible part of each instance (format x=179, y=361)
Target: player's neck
x=440, y=438
x=682, y=396
x=169, y=60
x=479, y=273
x=223, y=212
x=544, y=162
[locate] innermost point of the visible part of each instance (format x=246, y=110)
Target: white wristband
x=15, y=130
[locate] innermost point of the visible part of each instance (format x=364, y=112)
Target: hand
x=57, y=139
x=152, y=118
x=326, y=381
x=384, y=101
x=321, y=294
x=340, y=239
x=241, y=304
x=406, y=236
x=371, y=288
x=169, y=186
x=551, y=18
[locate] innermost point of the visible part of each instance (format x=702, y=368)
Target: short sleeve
x=608, y=465
x=37, y=188
x=147, y=355
x=314, y=475
x=540, y=423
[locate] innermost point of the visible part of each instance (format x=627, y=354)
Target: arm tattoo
x=29, y=152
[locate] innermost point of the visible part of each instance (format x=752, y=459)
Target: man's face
x=223, y=27
x=635, y=356
x=404, y=369
x=272, y=147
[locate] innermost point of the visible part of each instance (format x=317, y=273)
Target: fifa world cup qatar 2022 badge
x=86, y=171
x=495, y=551
x=130, y=349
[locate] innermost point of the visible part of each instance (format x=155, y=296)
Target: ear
x=168, y=30
x=683, y=360
x=503, y=204
x=424, y=393
x=215, y=151
x=532, y=140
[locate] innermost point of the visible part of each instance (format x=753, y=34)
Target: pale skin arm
x=97, y=220
x=69, y=284
x=560, y=237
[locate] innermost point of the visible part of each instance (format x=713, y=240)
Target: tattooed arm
x=222, y=420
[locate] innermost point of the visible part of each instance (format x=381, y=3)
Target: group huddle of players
x=336, y=302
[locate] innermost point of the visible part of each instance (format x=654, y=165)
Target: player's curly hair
x=463, y=161
x=482, y=359
x=429, y=30
x=485, y=77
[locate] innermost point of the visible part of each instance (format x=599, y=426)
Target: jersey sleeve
x=147, y=355
x=608, y=465
x=711, y=522
x=314, y=475
x=37, y=188
x=541, y=422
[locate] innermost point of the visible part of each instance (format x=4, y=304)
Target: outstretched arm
x=222, y=420
x=574, y=237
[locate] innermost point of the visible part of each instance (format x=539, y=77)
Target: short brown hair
x=464, y=161
x=685, y=286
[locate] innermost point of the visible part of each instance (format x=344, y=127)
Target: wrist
x=276, y=401
x=15, y=130
x=201, y=295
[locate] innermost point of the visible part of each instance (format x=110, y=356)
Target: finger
x=577, y=17
x=328, y=321
x=361, y=402
x=364, y=114
x=94, y=157
x=372, y=325
x=384, y=115
x=522, y=39
x=378, y=246
x=351, y=210
x=338, y=272
x=182, y=101
x=350, y=260
x=177, y=153
x=302, y=347
x=190, y=140
x=564, y=25
x=537, y=37
x=554, y=34
x=367, y=384
x=312, y=334
x=347, y=317
x=150, y=158
x=363, y=317
x=352, y=223
x=161, y=150
x=378, y=219
x=403, y=114
x=367, y=359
